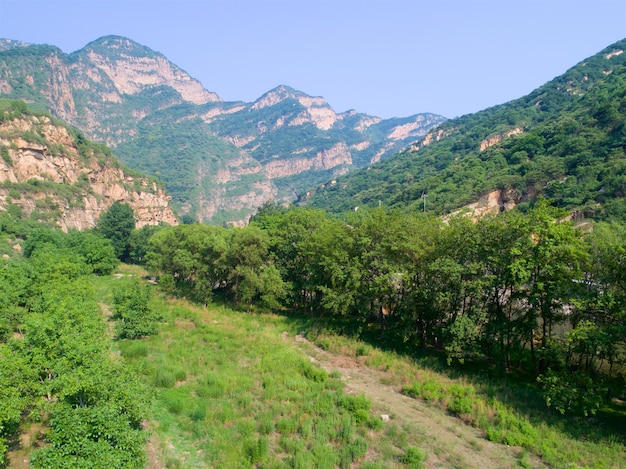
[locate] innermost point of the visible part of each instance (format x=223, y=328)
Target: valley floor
x=448, y=441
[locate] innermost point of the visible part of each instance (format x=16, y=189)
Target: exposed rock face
x=130, y=74
x=327, y=159
x=432, y=136
x=62, y=184
x=494, y=139
x=491, y=203
x=236, y=187
x=119, y=92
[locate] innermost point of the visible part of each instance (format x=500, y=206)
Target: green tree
x=117, y=225
x=552, y=255
x=243, y=262
x=98, y=252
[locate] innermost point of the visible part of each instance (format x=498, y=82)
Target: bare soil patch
x=447, y=441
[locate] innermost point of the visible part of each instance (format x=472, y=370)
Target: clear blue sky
x=389, y=58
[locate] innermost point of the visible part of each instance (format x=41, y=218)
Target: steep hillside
x=219, y=160
x=566, y=140
x=51, y=173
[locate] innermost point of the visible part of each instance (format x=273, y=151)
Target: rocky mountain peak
x=6, y=44
x=132, y=68
x=307, y=109
x=219, y=160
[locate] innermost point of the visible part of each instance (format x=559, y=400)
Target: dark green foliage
x=413, y=458
x=4, y=153
x=31, y=61
x=138, y=243
x=201, y=260
x=573, y=392
x=497, y=288
x=117, y=225
x=189, y=145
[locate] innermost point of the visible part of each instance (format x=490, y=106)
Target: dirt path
x=447, y=441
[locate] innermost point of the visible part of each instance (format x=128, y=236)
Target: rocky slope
x=132, y=98
x=49, y=173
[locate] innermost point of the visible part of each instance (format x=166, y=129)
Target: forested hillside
x=565, y=141
x=131, y=345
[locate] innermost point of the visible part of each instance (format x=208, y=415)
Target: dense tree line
x=529, y=292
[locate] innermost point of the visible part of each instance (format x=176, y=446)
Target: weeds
x=230, y=391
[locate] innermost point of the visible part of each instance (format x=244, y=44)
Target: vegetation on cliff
x=53, y=173
x=160, y=120
x=566, y=140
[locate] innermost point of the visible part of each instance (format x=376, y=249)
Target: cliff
x=54, y=174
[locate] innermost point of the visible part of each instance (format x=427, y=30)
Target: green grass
x=508, y=410
x=229, y=391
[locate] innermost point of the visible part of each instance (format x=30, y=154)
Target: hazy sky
x=389, y=58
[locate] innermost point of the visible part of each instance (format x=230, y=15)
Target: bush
x=576, y=392
x=135, y=318
x=134, y=349
x=414, y=457
x=164, y=378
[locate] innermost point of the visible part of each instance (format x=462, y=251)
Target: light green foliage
x=55, y=363
x=97, y=252
x=247, y=397
x=135, y=319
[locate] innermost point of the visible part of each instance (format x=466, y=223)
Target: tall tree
x=117, y=224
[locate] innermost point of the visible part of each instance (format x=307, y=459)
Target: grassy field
x=234, y=389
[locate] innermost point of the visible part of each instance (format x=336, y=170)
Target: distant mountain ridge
x=219, y=160
x=566, y=141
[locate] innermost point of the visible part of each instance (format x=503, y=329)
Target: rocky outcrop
x=130, y=74
x=432, y=136
x=497, y=138
x=491, y=203
x=326, y=159
x=44, y=173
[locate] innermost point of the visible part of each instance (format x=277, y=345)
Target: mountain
x=219, y=160
x=51, y=172
x=566, y=141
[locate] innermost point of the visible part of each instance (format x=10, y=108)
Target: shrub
x=198, y=413
x=576, y=392
x=134, y=349
x=413, y=458
x=135, y=318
